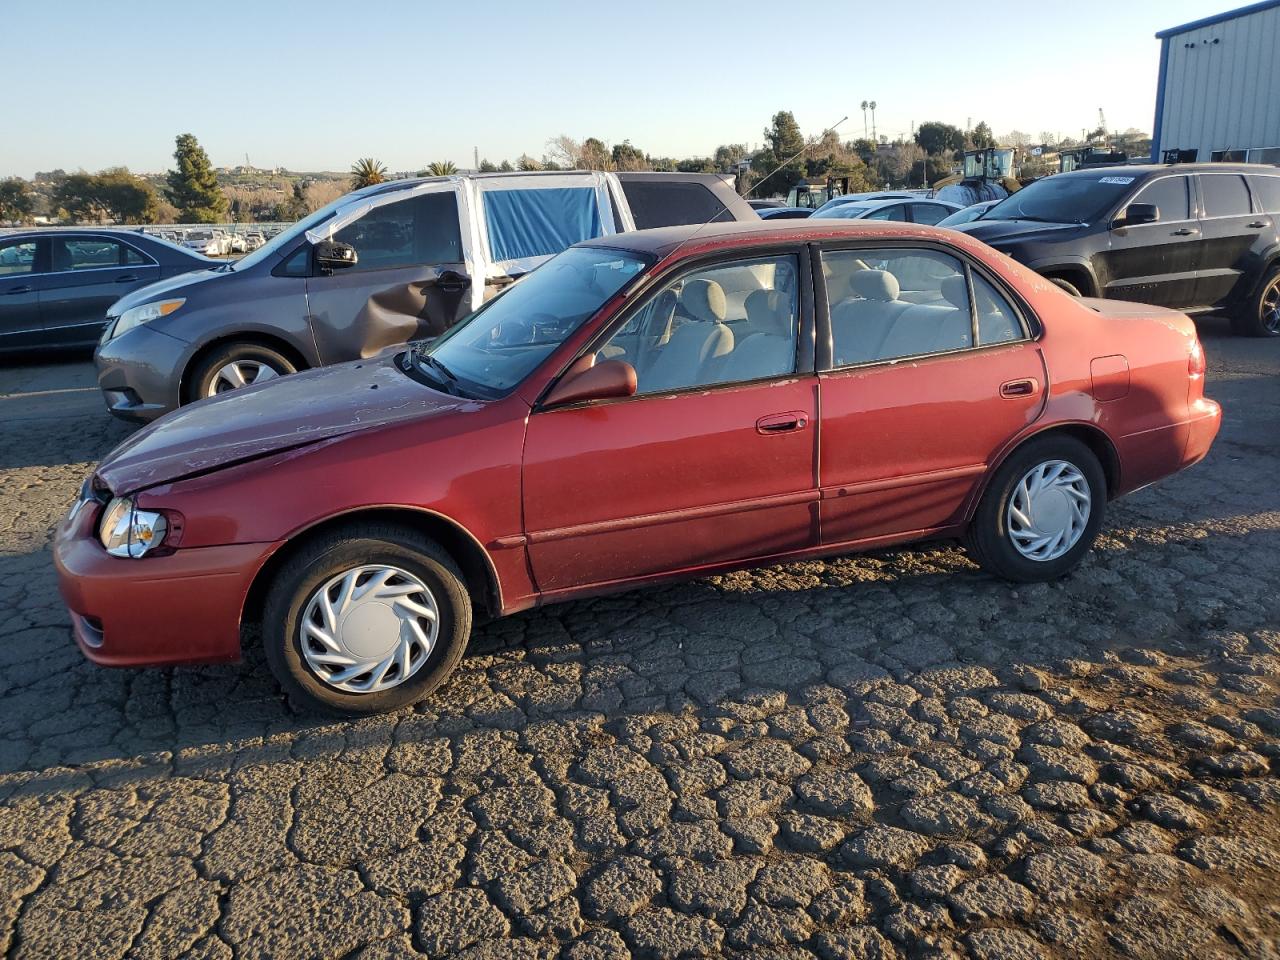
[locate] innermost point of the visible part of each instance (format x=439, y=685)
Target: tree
x=505, y=166
x=785, y=142
x=16, y=199
x=114, y=194
x=565, y=151
x=193, y=187
x=1016, y=139
x=487, y=167
x=627, y=157
x=595, y=155
x=783, y=134
x=981, y=136
x=367, y=171
x=729, y=155
x=441, y=168
x=526, y=162
x=696, y=165
x=936, y=137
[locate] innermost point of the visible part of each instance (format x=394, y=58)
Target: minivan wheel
x=1041, y=512
x=366, y=619
x=1260, y=317
x=236, y=365
x=1065, y=285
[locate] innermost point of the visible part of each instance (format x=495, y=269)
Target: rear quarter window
x=670, y=204
x=1267, y=190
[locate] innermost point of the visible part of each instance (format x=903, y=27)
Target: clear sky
x=314, y=85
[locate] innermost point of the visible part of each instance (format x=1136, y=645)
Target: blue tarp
x=539, y=223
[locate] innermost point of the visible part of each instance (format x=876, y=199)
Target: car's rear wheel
x=236, y=365
x=1065, y=285
x=1041, y=512
x=365, y=620
x=1260, y=317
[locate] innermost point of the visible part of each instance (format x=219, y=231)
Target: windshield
x=281, y=242
x=500, y=344
x=848, y=211
x=1063, y=199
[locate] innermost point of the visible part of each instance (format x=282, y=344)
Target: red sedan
x=661, y=404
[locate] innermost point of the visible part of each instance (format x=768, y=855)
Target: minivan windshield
x=1064, y=198
x=490, y=352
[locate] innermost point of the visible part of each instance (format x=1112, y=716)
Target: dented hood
x=285, y=414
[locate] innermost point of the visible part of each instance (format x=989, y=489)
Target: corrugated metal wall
x=1224, y=95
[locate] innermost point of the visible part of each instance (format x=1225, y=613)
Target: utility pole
x=475, y=156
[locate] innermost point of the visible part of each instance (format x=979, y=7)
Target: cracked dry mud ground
x=887, y=755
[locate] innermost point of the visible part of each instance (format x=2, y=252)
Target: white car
x=208, y=242
x=236, y=243
x=254, y=239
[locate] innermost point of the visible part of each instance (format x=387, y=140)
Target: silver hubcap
x=1049, y=510
x=241, y=373
x=369, y=629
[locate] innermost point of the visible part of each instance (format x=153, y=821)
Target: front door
x=88, y=274
x=20, y=294
x=1157, y=262
x=410, y=280
x=712, y=461
x=1231, y=229
x=932, y=373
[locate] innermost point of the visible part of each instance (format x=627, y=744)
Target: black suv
x=1195, y=237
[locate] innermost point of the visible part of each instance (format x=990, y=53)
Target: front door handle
x=1013, y=389
x=1257, y=225
x=127, y=278
x=22, y=289
x=782, y=422
x=1185, y=232
x=450, y=281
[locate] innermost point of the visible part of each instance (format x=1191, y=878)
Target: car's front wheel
x=1041, y=512
x=236, y=365
x=365, y=620
x=1260, y=316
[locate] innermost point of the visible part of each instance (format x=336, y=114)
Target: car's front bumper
x=140, y=372
x=163, y=610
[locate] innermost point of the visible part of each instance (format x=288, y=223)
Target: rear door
x=88, y=273
x=411, y=279
x=1157, y=262
x=929, y=213
x=21, y=262
x=1231, y=228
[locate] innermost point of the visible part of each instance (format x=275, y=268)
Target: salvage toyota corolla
x=647, y=406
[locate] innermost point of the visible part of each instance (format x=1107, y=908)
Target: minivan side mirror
x=607, y=380
x=1138, y=213
x=333, y=255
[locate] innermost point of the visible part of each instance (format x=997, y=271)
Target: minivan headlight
x=126, y=531
x=144, y=313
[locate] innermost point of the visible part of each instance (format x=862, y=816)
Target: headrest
x=875, y=285
x=769, y=311
x=704, y=300
x=956, y=292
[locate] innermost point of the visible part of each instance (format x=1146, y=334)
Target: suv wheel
x=1260, y=317
x=1041, y=512
x=366, y=619
x=236, y=365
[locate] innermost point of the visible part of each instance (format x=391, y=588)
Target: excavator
x=985, y=174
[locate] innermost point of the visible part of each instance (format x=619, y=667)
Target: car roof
x=1147, y=170
x=662, y=241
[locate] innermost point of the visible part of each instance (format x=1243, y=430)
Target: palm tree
x=441, y=168
x=366, y=172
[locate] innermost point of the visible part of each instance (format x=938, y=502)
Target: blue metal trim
x=1164, y=70
x=1219, y=18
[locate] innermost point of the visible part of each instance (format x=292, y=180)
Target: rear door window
x=928, y=213
x=896, y=212
x=419, y=231
x=1225, y=194
x=666, y=204
x=1170, y=195
x=90, y=253
x=539, y=223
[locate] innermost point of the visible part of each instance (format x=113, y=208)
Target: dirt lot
x=875, y=756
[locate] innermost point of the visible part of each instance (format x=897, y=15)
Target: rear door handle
x=782, y=422
x=127, y=278
x=1019, y=388
x=23, y=289
x=1257, y=225
x=1185, y=232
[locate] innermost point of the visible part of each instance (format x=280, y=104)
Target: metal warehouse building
x=1219, y=88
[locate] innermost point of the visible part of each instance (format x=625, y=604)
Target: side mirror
x=332, y=255
x=1138, y=213
x=603, y=381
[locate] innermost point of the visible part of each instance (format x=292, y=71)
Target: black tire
x=203, y=373
x=987, y=538
x=1066, y=285
x=330, y=554
x=1260, y=315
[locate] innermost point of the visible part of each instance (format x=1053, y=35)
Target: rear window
x=1225, y=194
x=539, y=223
x=1268, y=192
x=659, y=204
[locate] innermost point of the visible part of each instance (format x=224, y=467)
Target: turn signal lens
x=126, y=531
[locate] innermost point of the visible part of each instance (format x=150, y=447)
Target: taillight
x=1195, y=362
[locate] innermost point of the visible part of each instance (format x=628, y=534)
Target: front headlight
x=144, y=313
x=126, y=531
